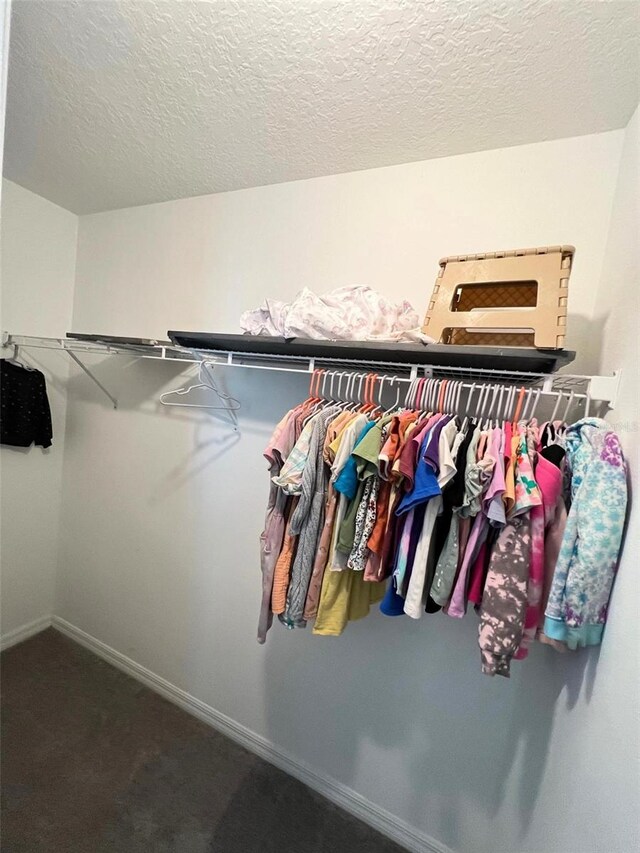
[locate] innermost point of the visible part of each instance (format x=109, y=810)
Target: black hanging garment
x=25, y=416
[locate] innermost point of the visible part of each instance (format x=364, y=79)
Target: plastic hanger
x=332, y=376
x=426, y=391
x=418, y=384
x=534, y=408
x=459, y=394
x=517, y=412
x=434, y=393
x=506, y=407
x=487, y=407
x=477, y=410
x=497, y=401
x=450, y=401
x=408, y=397
x=425, y=396
x=426, y=387
x=362, y=394
x=482, y=399
x=568, y=407
x=531, y=404
x=482, y=406
x=494, y=400
x=369, y=405
x=354, y=401
x=467, y=407
x=416, y=393
x=556, y=407
x=392, y=382
x=432, y=402
x=15, y=360
x=377, y=407
x=319, y=392
x=358, y=404
x=446, y=401
x=501, y=393
x=372, y=395
x=339, y=397
x=312, y=398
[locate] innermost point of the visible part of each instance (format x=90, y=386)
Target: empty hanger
x=230, y=404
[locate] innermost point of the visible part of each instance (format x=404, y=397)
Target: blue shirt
x=425, y=484
x=347, y=482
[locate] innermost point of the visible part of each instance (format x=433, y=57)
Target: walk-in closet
x=319, y=426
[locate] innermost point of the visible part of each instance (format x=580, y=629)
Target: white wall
x=198, y=263
x=618, y=309
x=5, y=26
x=162, y=508
x=38, y=273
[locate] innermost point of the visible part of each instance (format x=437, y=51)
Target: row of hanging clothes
x=446, y=503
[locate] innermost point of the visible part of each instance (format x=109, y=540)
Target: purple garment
x=414, y=535
x=431, y=455
x=425, y=487
x=493, y=504
x=458, y=605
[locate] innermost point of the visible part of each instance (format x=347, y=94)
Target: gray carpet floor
x=94, y=762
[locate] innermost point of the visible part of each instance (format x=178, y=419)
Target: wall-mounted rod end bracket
x=606, y=388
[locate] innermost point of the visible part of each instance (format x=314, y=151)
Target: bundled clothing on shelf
x=428, y=508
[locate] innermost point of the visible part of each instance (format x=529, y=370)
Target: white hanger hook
x=566, y=411
x=556, y=407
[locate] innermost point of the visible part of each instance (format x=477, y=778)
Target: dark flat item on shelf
x=528, y=359
x=115, y=340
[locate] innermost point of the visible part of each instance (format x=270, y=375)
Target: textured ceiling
x=113, y=104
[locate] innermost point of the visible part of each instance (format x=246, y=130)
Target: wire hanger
x=230, y=404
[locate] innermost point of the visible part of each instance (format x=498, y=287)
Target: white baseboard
x=12, y=638
x=343, y=796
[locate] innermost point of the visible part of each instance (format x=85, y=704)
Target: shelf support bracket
x=93, y=378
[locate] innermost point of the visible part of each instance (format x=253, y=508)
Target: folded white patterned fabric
x=354, y=313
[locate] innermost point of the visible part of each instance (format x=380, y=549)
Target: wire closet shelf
x=587, y=387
